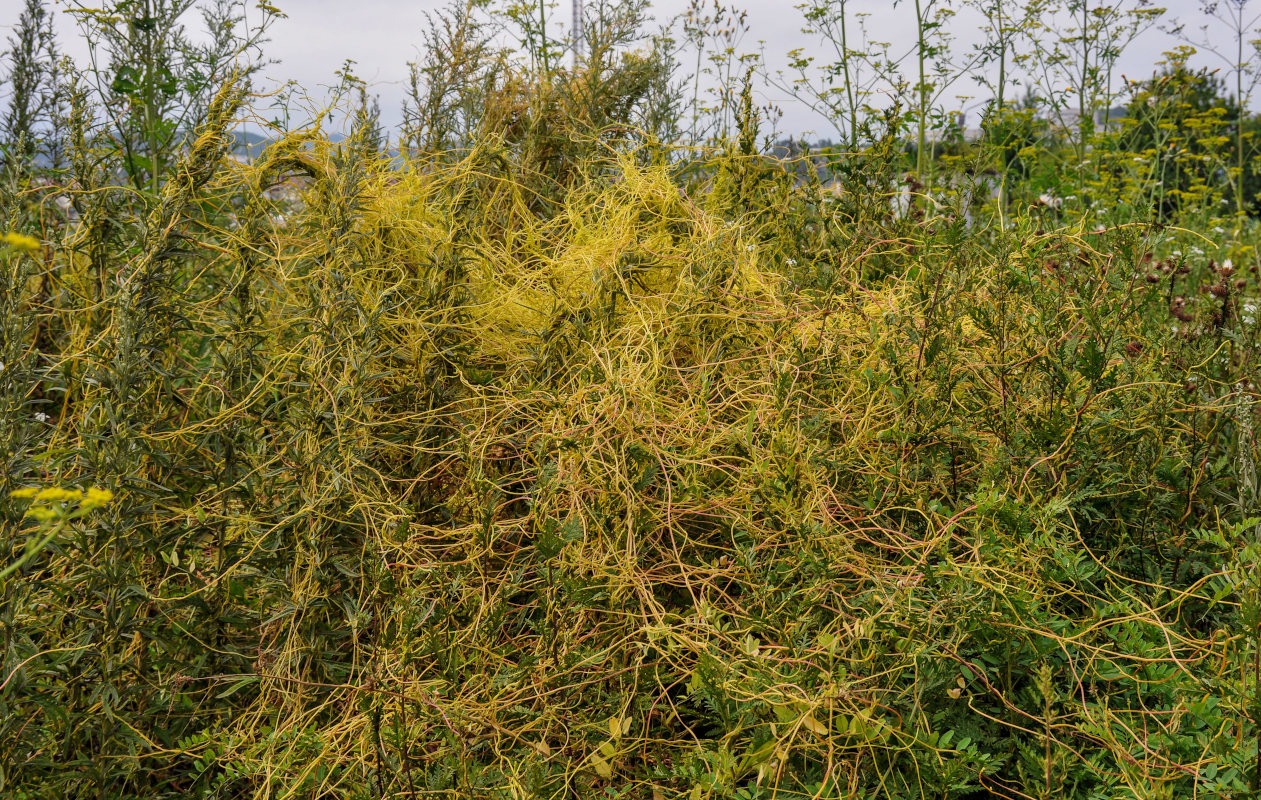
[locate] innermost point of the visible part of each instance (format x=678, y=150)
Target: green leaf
x=237, y=686
x=548, y=544
x=126, y=81
x=601, y=767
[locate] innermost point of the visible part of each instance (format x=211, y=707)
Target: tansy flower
x=21, y=241
x=54, y=502
x=56, y=494
x=95, y=498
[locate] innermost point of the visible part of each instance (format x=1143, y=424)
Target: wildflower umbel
x=21, y=241
x=55, y=502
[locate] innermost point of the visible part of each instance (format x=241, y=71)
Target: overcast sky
x=381, y=36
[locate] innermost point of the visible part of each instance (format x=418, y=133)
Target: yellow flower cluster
x=21, y=241
x=52, y=503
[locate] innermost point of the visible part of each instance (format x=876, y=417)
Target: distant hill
x=250, y=145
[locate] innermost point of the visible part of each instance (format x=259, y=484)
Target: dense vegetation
x=587, y=445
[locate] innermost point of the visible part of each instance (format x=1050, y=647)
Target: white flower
x=792, y=262
x=40, y=416
x=1228, y=264
x=1219, y=229
x=748, y=248
x=1, y=366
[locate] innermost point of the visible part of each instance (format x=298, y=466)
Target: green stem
x=1239, y=161
x=1256, y=707
x=32, y=550
x=921, y=159
x=543, y=36
x=849, y=83
x=1002, y=53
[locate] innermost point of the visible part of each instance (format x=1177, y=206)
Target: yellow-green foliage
x=419, y=491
